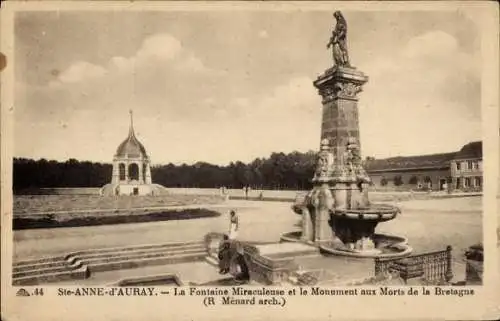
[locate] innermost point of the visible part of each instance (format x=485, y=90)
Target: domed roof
x=131, y=147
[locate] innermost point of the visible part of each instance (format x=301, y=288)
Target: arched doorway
x=428, y=182
x=121, y=171
x=133, y=172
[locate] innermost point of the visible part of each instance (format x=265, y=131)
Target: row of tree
x=279, y=171
x=28, y=173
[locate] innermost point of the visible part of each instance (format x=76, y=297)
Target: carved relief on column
x=325, y=163
x=347, y=90
x=343, y=90
x=328, y=94
x=353, y=162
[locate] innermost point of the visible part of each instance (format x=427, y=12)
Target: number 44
x=38, y=291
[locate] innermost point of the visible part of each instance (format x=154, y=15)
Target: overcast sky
x=227, y=86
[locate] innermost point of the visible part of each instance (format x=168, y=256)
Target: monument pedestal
x=339, y=87
x=336, y=213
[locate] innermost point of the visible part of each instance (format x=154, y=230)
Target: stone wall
x=435, y=175
x=61, y=191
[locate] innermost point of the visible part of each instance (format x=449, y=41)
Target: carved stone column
x=148, y=179
x=321, y=197
x=339, y=87
x=307, y=228
x=324, y=230
x=115, y=177
x=127, y=177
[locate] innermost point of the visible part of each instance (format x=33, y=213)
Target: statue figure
x=338, y=41
x=350, y=156
x=353, y=153
x=325, y=198
x=354, y=163
x=324, y=165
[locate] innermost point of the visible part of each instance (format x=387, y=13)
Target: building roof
x=433, y=161
x=131, y=147
x=410, y=162
x=471, y=150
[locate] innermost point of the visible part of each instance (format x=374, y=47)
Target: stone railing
x=269, y=271
x=211, y=242
x=432, y=267
x=262, y=269
x=474, y=268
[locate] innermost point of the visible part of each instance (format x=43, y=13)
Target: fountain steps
x=101, y=255
x=79, y=265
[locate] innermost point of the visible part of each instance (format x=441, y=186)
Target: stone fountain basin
x=378, y=212
x=387, y=246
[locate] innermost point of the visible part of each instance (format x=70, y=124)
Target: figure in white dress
x=233, y=228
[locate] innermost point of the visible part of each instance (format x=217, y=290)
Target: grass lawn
x=31, y=204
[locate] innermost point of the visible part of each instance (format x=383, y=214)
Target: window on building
x=458, y=165
x=475, y=165
x=469, y=164
x=133, y=172
x=478, y=181
x=467, y=182
x=459, y=183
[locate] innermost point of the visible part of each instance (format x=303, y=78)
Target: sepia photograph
x=245, y=149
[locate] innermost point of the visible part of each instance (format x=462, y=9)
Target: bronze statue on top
x=338, y=41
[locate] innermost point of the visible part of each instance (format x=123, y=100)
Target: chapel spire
x=131, y=129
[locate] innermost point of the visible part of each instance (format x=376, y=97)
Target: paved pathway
x=428, y=226
x=259, y=223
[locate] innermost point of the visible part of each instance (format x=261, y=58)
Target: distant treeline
x=279, y=171
x=28, y=173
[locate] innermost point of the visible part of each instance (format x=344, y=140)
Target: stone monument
x=131, y=169
x=336, y=214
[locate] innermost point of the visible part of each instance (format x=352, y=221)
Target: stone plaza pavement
x=429, y=225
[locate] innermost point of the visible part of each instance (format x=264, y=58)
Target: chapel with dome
x=131, y=169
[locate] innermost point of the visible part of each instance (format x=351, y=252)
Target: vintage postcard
x=250, y=160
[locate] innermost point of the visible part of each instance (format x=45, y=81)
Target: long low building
x=455, y=171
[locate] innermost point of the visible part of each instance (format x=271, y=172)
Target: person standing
x=234, y=225
x=224, y=255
